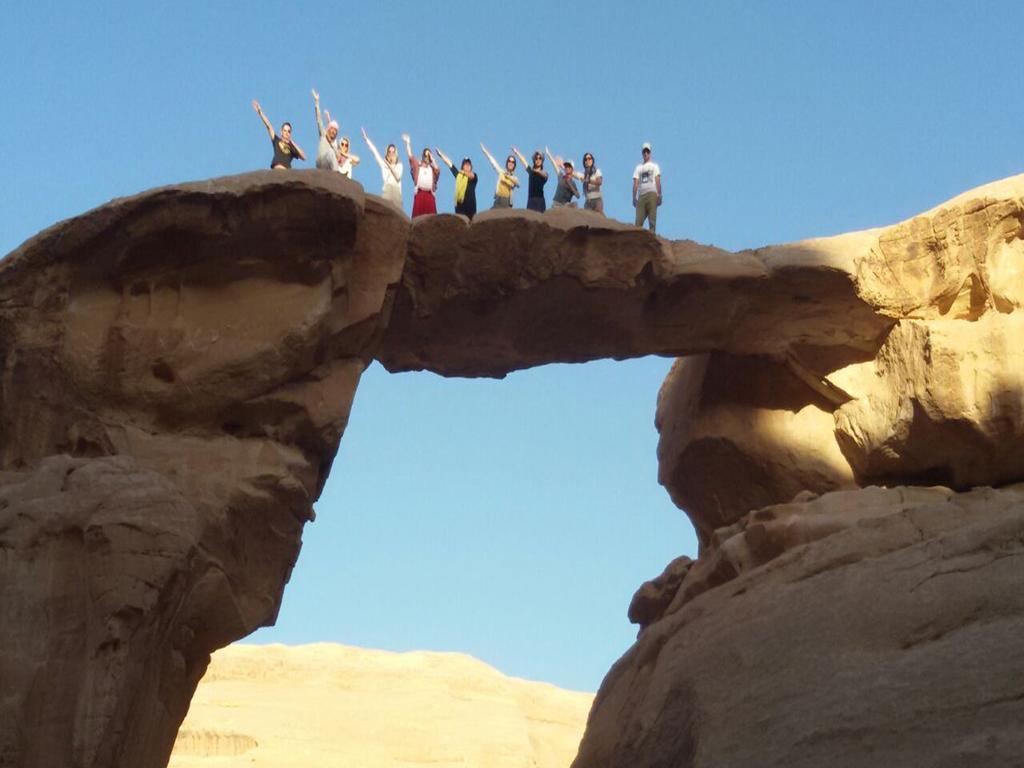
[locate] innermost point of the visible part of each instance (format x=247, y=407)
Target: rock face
x=861, y=628
x=518, y=288
x=940, y=401
x=177, y=368
x=195, y=349
x=327, y=705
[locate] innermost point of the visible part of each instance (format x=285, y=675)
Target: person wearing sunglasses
x=327, y=150
x=424, y=174
x=465, y=185
x=390, y=171
x=507, y=180
x=285, y=150
x=538, y=178
x=592, y=181
x=566, y=189
x=346, y=160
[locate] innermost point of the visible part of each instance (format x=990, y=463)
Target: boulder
x=857, y=629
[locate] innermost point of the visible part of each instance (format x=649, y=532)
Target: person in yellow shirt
x=507, y=180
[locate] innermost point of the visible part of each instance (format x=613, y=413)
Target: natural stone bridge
x=177, y=368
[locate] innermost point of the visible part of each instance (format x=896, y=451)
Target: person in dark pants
x=465, y=185
x=538, y=178
x=285, y=149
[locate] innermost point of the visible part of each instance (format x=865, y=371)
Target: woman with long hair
x=507, y=180
x=424, y=174
x=592, y=181
x=538, y=178
x=284, y=146
x=390, y=171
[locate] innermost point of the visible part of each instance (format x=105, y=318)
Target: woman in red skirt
x=424, y=172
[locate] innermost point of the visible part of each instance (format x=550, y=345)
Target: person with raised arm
x=566, y=189
x=285, y=149
x=390, y=171
x=424, y=175
x=592, y=181
x=327, y=150
x=506, y=179
x=538, y=177
x=346, y=160
x=465, y=185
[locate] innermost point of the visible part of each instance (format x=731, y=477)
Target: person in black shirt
x=465, y=185
x=538, y=178
x=285, y=149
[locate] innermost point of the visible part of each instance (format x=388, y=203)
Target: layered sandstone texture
x=939, y=401
x=856, y=629
x=333, y=706
x=176, y=370
x=829, y=621
x=516, y=289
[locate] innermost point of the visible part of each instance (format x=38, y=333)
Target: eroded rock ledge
x=517, y=289
x=177, y=368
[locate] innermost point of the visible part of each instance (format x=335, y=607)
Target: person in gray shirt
x=567, y=189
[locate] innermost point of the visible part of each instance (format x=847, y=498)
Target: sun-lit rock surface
x=177, y=369
x=877, y=627
x=331, y=705
x=940, y=401
x=196, y=350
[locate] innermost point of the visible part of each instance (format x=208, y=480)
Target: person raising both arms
x=538, y=178
x=465, y=185
x=424, y=174
x=506, y=179
x=327, y=150
x=285, y=149
x=566, y=189
x=647, y=189
x=592, y=181
x=390, y=171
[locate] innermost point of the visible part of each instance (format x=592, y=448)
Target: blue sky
x=512, y=520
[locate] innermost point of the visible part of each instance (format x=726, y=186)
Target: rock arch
x=176, y=371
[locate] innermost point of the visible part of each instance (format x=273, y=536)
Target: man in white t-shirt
x=647, y=189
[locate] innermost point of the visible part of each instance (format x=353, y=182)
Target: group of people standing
x=334, y=154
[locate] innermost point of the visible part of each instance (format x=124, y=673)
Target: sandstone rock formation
x=177, y=368
x=940, y=401
x=867, y=626
x=517, y=289
x=196, y=350
x=330, y=705
x=861, y=628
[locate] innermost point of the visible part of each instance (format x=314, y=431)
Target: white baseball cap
x=647, y=146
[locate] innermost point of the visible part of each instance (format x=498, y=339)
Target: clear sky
x=512, y=520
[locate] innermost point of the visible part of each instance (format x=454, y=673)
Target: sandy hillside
x=332, y=706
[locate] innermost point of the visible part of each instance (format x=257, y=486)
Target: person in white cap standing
x=647, y=190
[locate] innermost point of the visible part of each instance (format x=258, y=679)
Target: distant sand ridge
x=332, y=706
